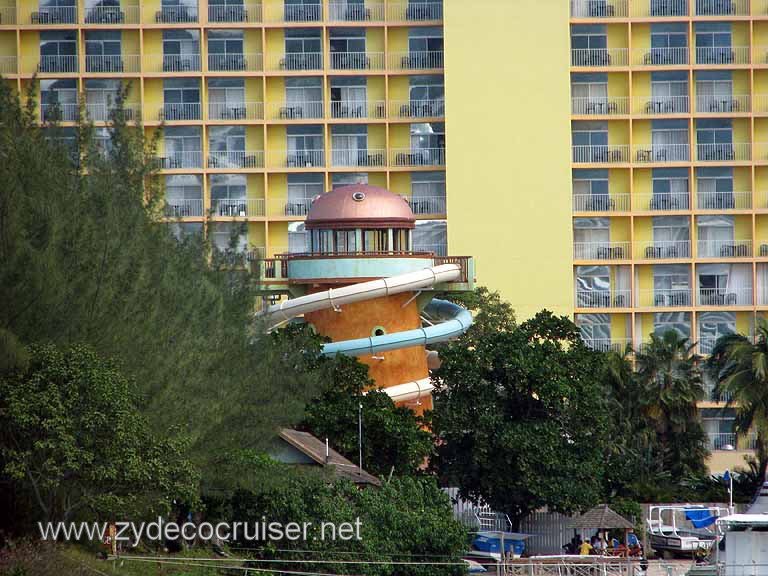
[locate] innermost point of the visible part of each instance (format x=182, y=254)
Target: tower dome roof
x=360, y=206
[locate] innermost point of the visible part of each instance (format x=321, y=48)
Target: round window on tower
x=358, y=196
x=378, y=331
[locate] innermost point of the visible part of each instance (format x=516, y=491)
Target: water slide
x=451, y=320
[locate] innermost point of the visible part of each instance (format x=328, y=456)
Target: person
x=597, y=544
x=632, y=540
x=585, y=549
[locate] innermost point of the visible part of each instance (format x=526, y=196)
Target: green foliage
x=491, y=313
x=393, y=440
x=520, y=419
x=72, y=435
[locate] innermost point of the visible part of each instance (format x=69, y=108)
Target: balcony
x=52, y=15
x=59, y=112
x=171, y=63
x=662, y=202
x=357, y=109
x=234, y=13
x=724, y=200
x=243, y=208
x=421, y=205
x=417, y=108
x=601, y=250
x=722, y=104
x=726, y=441
x=344, y=12
x=296, y=159
x=7, y=15
x=723, y=55
x=608, y=344
x=293, y=12
x=600, y=202
x=113, y=64
x=599, y=57
x=655, y=105
x=741, y=152
x=9, y=65
x=722, y=7
x=295, y=110
x=296, y=61
x=57, y=64
x=600, y=154
x=676, y=56
x=411, y=11
x=599, y=106
x=179, y=112
x=663, y=249
x=289, y=206
x=436, y=249
x=176, y=14
x=104, y=112
x=357, y=60
x=180, y=208
x=417, y=157
x=416, y=60
x=235, y=62
x=235, y=111
x=603, y=298
x=112, y=15
x=180, y=160
x=724, y=248
x=644, y=154
x=599, y=9
x=664, y=298
x=709, y=389
x=358, y=158
x=723, y=297
x=659, y=8
x=227, y=159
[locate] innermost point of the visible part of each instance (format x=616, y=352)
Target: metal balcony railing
x=180, y=160
x=112, y=15
x=241, y=207
x=59, y=112
x=180, y=208
x=227, y=159
x=7, y=15
x=723, y=297
x=57, y=64
x=600, y=154
x=176, y=14
x=112, y=64
x=363, y=12
x=662, y=202
x=724, y=248
x=603, y=298
x=357, y=60
x=293, y=12
x=716, y=55
x=416, y=60
x=601, y=250
x=103, y=112
x=52, y=15
x=722, y=104
x=661, y=8
x=173, y=63
x=663, y=249
x=600, y=202
x=296, y=158
x=234, y=13
x=358, y=109
x=289, y=206
x=363, y=158
x=295, y=110
x=235, y=62
x=723, y=200
x=296, y=61
x=675, y=56
x=179, y=112
x=599, y=57
x=426, y=204
x=644, y=153
x=9, y=65
x=723, y=152
x=436, y=249
x=599, y=106
x=417, y=108
x=654, y=105
x=664, y=298
x=417, y=157
x=713, y=396
x=721, y=7
x=599, y=9
x=607, y=344
x=410, y=11
x=235, y=111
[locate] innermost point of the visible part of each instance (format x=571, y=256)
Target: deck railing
x=600, y=154
x=724, y=297
x=723, y=200
x=239, y=111
x=245, y=207
x=584, y=106
x=664, y=298
x=416, y=60
x=603, y=298
x=724, y=248
x=236, y=159
x=357, y=109
x=251, y=62
x=662, y=202
x=410, y=11
x=675, y=56
x=600, y=202
x=289, y=206
x=417, y=108
x=426, y=204
x=601, y=250
x=59, y=111
x=171, y=63
x=607, y=345
x=51, y=15
x=599, y=9
x=725, y=55
x=234, y=12
x=721, y=7
x=57, y=64
x=599, y=57
x=723, y=104
x=178, y=112
x=180, y=208
x=644, y=153
x=363, y=12
x=9, y=65
x=112, y=15
x=357, y=60
x=295, y=110
x=295, y=61
x=111, y=64
x=663, y=249
x=99, y=112
x=296, y=158
x=660, y=8
x=741, y=151
x=358, y=157
x=180, y=160
x=417, y=157
x=654, y=105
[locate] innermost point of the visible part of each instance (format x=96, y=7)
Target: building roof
x=358, y=206
x=601, y=517
x=315, y=449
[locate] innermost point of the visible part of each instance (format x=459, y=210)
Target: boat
x=683, y=530
x=745, y=539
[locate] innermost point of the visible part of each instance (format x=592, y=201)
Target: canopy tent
x=601, y=517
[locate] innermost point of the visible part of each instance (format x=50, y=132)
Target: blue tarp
x=700, y=517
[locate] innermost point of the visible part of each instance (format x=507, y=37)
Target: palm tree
x=669, y=388
x=741, y=371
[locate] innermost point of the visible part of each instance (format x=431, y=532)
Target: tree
x=72, y=439
x=670, y=387
x=520, y=419
x=393, y=437
x=490, y=313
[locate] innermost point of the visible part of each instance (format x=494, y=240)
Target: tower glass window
x=349, y=97
x=225, y=50
x=58, y=51
x=181, y=50
x=303, y=49
x=348, y=49
x=714, y=43
x=181, y=98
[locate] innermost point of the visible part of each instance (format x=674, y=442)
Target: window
x=226, y=98
x=591, y=230
x=679, y=322
x=181, y=50
x=177, y=11
x=227, y=236
x=670, y=189
x=58, y=51
x=714, y=139
x=225, y=50
x=670, y=140
x=590, y=189
x=671, y=285
x=305, y=146
x=431, y=236
x=427, y=97
x=183, y=196
x=100, y=97
x=714, y=91
x=428, y=142
x=715, y=236
x=228, y=194
x=58, y=99
x=714, y=325
x=349, y=97
x=715, y=188
x=56, y=12
x=350, y=145
x=669, y=44
x=182, y=146
x=590, y=141
x=226, y=138
x=428, y=192
x=297, y=237
x=595, y=330
x=348, y=49
x=182, y=99
x=669, y=92
x=589, y=45
x=589, y=92
x=307, y=41
x=375, y=240
x=348, y=179
x=425, y=39
x=671, y=236
x=713, y=43
x=593, y=286
x=183, y=230
x=304, y=186
x=102, y=51
x=304, y=97
x=303, y=10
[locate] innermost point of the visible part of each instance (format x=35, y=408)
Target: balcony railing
x=352, y=158
x=723, y=55
x=234, y=13
x=8, y=65
x=295, y=110
x=236, y=159
x=426, y=204
x=179, y=208
x=296, y=61
x=723, y=297
x=171, y=62
x=722, y=7
x=607, y=344
x=176, y=14
x=294, y=12
x=52, y=15
x=436, y=249
x=712, y=396
x=179, y=112
x=664, y=298
x=7, y=15
x=410, y=11
x=417, y=108
x=243, y=207
x=603, y=298
x=600, y=202
x=599, y=57
x=601, y=250
x=235, y=62
x=103, y=112
x=60, y=112
x=296, y=159
x=722, y=104
x=662, y=202
x=653, y=105
x=57, y=64
x=235, y=111
x=357, y=60
x=181, y=159
x=724, y=248
x=417, y=157
x=723, y=200
x=416, y=60
x=600, y=154
x=675, y=56
x=599, y=106
x=644, y=154
x=363, y=12
x=112, y=15
x=112, y=64
x=289, y=206
x=723, y=152
x=663, y=249
x=599, y=9
x=726, y=441
x=355, y=109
